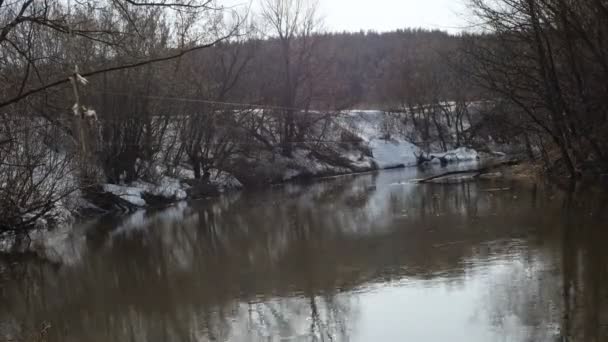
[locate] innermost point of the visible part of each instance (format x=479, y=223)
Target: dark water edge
x=367, y=258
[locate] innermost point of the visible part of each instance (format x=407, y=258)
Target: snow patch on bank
x=169, y=188
x=303, y=163
x=225, y=181
x=134, y=193
x=457, y=155
x=393, y=153
x=387, y=153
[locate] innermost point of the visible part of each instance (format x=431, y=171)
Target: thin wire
x=184, y=99
x=244, y=105
x=350, y=142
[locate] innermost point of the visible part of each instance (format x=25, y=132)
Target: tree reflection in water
x=304, y=262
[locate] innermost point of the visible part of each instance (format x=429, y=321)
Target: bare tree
x=210, y=134
x=33, y=168
x=87, y=69
x=547, y=57
x=294, y=24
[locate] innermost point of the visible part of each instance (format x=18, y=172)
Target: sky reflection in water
x=368, y=258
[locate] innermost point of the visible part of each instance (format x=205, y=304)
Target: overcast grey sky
x=385, y=15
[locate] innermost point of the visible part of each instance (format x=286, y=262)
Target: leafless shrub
x=35, y=173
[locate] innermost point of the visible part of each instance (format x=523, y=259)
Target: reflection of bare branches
x=315, y=321
x=311, y=318
x=270, y=264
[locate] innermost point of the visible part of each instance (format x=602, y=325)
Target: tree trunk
x=196, y=166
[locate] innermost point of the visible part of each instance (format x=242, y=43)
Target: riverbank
x=357, y=144
x=141, y=196
x=50, y=241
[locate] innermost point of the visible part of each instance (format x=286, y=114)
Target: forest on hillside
x=102, y=93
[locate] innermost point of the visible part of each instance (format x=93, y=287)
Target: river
x=368, y=258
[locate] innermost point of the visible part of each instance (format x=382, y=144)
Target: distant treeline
x=356, y=70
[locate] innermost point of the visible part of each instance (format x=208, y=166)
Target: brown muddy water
x=367, y=258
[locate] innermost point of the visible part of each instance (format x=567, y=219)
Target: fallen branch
x=496, y=189
x=477, y=172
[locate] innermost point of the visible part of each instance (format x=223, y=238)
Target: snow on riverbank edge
x=384, y=153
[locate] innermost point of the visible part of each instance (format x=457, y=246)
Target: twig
x=110, y=69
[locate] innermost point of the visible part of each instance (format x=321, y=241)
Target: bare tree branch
x=111, y=69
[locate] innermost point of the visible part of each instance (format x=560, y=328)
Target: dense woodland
x=113, y=91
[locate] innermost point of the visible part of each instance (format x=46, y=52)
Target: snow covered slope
x=393, y=153
x=396, y=151
x=386, y=153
